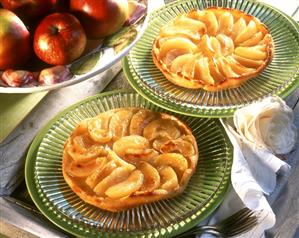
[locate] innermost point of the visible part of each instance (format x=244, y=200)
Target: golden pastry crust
x=126, y=157
x=213, y=49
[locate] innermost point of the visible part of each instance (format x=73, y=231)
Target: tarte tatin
x=126, y=157
x=213, y=49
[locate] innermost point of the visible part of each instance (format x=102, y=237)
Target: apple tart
x=213, y=49
x=126, y=157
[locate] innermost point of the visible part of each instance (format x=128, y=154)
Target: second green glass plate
x=55, y=199
x=281, y=76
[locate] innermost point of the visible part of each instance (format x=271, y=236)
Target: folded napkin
x=258, y=132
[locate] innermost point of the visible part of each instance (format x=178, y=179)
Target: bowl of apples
x=49, y=44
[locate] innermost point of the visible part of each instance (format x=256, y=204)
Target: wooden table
x=20, y=218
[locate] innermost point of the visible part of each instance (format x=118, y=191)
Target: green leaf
x=122, y=38
x=85, y=64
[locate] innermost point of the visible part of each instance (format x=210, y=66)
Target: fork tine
x=242, y=219
x=240, y=222
x=243, y=213
x=246, y=227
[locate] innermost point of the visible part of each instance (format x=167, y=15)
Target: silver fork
x=236, y=224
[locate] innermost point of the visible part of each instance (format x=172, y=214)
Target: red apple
x=15, y=48
x=100, y=18
x=61, y=5
x=59, y=39
x=28, y=9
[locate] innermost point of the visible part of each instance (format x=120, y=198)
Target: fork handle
x=201, y=230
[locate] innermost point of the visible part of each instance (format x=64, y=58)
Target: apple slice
x=225, y=69
x=117, y=175
x=202, y=71
x=174, y=31
x=254, y=40
x=208, y=18
x=103, y=170
x=139, y=120
x=190, y=24
x=81, y=170
x=227, y=44
x=226, y=23
x=151, y=177
x=127, y=187
x=237, y=67
x=119, y=123
x=177, y=43
x=159, y=142
x=181, y=145
x=169, y=179
x=206, y=46
x=211, y=22
x=172, y=55
x=215, y=72
x=145, y=155
x=161, y=128
x=82, y=142
x=238, y=27
x=189, y=67
x=119, y=161
x=177, y=161
x=133, y=144
x=248, y=62
x=178, y=63
x=98, y=128
x=216, y=46
x=89, y=154
x=251, y=53
x=247, y=33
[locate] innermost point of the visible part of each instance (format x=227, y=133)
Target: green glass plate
x=281, y=76
x=52, y=195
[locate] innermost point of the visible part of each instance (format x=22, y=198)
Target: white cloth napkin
x=255, y=167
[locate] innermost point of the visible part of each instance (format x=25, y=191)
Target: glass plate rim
x=34, y=194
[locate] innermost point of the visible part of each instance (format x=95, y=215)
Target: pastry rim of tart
x=148, y=163
x=228, y=47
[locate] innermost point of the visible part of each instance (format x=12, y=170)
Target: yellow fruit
x=127, y=187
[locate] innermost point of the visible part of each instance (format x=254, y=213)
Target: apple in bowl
x=15, y=47
x=100, y=18
x=61, y=5
x=59, y=39
x=28, y=9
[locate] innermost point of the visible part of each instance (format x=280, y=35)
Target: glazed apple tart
x=213, y=49
x=126, y=157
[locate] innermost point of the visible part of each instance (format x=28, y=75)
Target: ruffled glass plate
x=166, y=218
x=281, y=77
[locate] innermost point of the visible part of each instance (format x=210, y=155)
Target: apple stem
x=54, y=30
